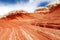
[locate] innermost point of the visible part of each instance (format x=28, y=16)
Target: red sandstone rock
x=27, y=26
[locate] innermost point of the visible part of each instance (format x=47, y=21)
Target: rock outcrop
x=43, y=24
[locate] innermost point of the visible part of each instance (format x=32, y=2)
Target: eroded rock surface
x=43, y=24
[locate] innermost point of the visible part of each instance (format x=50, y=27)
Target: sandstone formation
x=43, y=24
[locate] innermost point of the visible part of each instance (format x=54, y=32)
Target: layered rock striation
x=43, y=24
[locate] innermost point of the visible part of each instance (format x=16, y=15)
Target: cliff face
x=43, y=24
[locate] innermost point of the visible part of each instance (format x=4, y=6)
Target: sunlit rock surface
x=43, y=24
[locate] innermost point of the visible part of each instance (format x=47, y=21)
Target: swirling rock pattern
x=27, y=26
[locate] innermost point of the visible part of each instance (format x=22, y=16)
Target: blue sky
x=13, y=1
x=28, y=5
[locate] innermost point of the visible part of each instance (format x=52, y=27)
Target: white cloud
x=30, y=7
